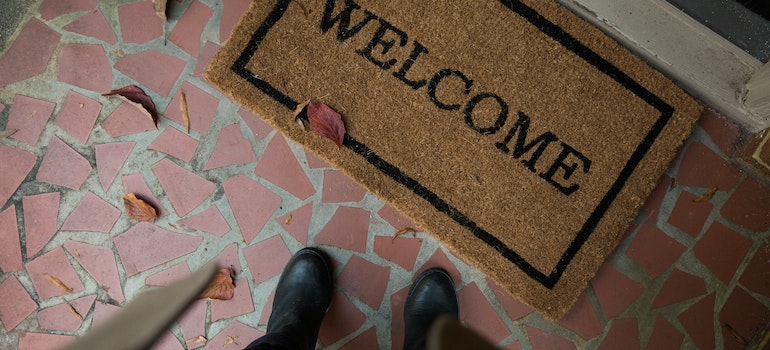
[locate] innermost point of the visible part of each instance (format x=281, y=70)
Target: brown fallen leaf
x=160, y=8
x=288, y=220
x=197, y=340
x=7, y=133
x=706, y=196
x=403, y=231
x=181, y=227
x=326, y=122
x=138, y=209
x=138, y=98
x=73, y=311
x=57, y=282
x=221, y=286
x=300, y=115
x=185, y=114
x=231, y=340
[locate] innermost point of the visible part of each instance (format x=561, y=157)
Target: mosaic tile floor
x=688, y=274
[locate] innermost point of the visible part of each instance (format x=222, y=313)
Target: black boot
x=301, y=300
x=432, y=294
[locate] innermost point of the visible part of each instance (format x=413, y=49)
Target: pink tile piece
x=134, y=183
x=58, y=318
x=749, y=206
x=92, y=214
x=10, y=250
x=365, y=280
x=93, y=24
x=235, y=336
x=397, y=301
x=41, y=213
x=744, y=316
x=665, y=336
x=347, y=229
x=267, y=258
x=723, y=132
x=297, y=223
x=279, y=166
x=28, y=116
x=86, y=66
x=155, y=70
x=185, y=189
x=513, y=308
x=402, y=250
x=698, y=320
x=36, y=341
x=722, y=250
x=614, y=290
x=55, y=264
x=51, y=9
x=63, y=166
x=232, y=12
x=478, y=314
x=229, y=258
x=201, y=106
x=756, y=276
x=582, y=319
x=187, y=31
x=258, y=126
x=103, y=312
x=653, y=250
x=231, y=149
x=395, y=218
x=623, y=334
x=441, y=260
x=209, y=220
x=126, y=120
x=175, y=143
x=146, y=245
x=29, y=54
x=240, y=304
x=365, y=340
x=168, y=276
x=688, y=215
x=267, y=309
x=109, y=160
x=314, y=162
x=680, y=286
x=78, y=115
x=11, y=314
x=83, y=304
x=207, y=53
x=342, y=319
x=22, y=161
x=101, y=265
x=252, y=204
x=139, y=23
x=541, y=339
x=193, y=323
x=701, y=167
x=339, y=188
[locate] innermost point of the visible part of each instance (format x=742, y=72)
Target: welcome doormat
x=516, y=133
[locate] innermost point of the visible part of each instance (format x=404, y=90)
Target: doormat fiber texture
x=518, y=134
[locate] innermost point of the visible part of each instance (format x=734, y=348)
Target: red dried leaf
x=136, y=95
x=221, y=286
x=138, y=209
x=326, y=122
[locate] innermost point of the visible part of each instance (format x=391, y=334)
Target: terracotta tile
x=101, y=265
x=653, y=250
x=167, y=341
x=252, y=204
x=297, y=223
x=513, y=308
x=688, y=215
x=232, y=11
x=192, y=323
x=153, y=69
x=145, y=246
x=541, y=339
x=623, y=334
x=29, y=54
x=652, y=205
x=28, y=116
x=201, y=107
x=742, y=316
x=207, y=53
x=109, y=160
x=240, y=304
x=187, y=31
x=231, y=149
x=83, y=304
x=477, y=314
x=134, y=183
x=679, y=286
x=78, y=115
x=279, y=166
x=339, y=188
x=41, y=213
x=92, y=214
x=229, y=258
x=698, y=320
x=749, y=206
x=103, y=312
x=54, y=264
x=722, y=131
x=267, y=309
x=342, y=319
x=175, y=143
x=138, y=22
x=234, y=337
x=51, y=9
x=440, y=259
x=665, y=336
x=721, y=250
x=395, y=218
x=314, y=162
x=756, y=276
x=402, y=251
x=126, y=120
x=10, y=250
x=63, y=166
x=365, y=280
x=23, y=162
x=701, y=167
x=267, y=258
x=397, y=301
x=347, y=229
x=93, y=24
x=11, y=314
x=186, y=190
x=35, y=341
x=365, y=340
x=85, y=66
x=58, y=318
x=582, y=319
x=614, y=290
x=168, y=276
x=209, y=220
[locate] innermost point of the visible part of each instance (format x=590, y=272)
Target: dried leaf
x=180, y=227
x=300, y=115
x=326, y=122
x=221, y=286
x=288, y=220
x=185, y=114
x=231, y=340
x=403, y=231
x=160, y=8
x=138, y=209
x=7, y=133
x=73, y=311
x=136, y=96
x=57, y=282
x=706, y=196
x=199, y=339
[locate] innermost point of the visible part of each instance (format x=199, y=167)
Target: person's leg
x=302, y=297
x=432, y=294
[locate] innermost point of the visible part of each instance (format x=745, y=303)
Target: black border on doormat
x=557, y=34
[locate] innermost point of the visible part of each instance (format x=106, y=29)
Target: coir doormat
x=519, y=135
